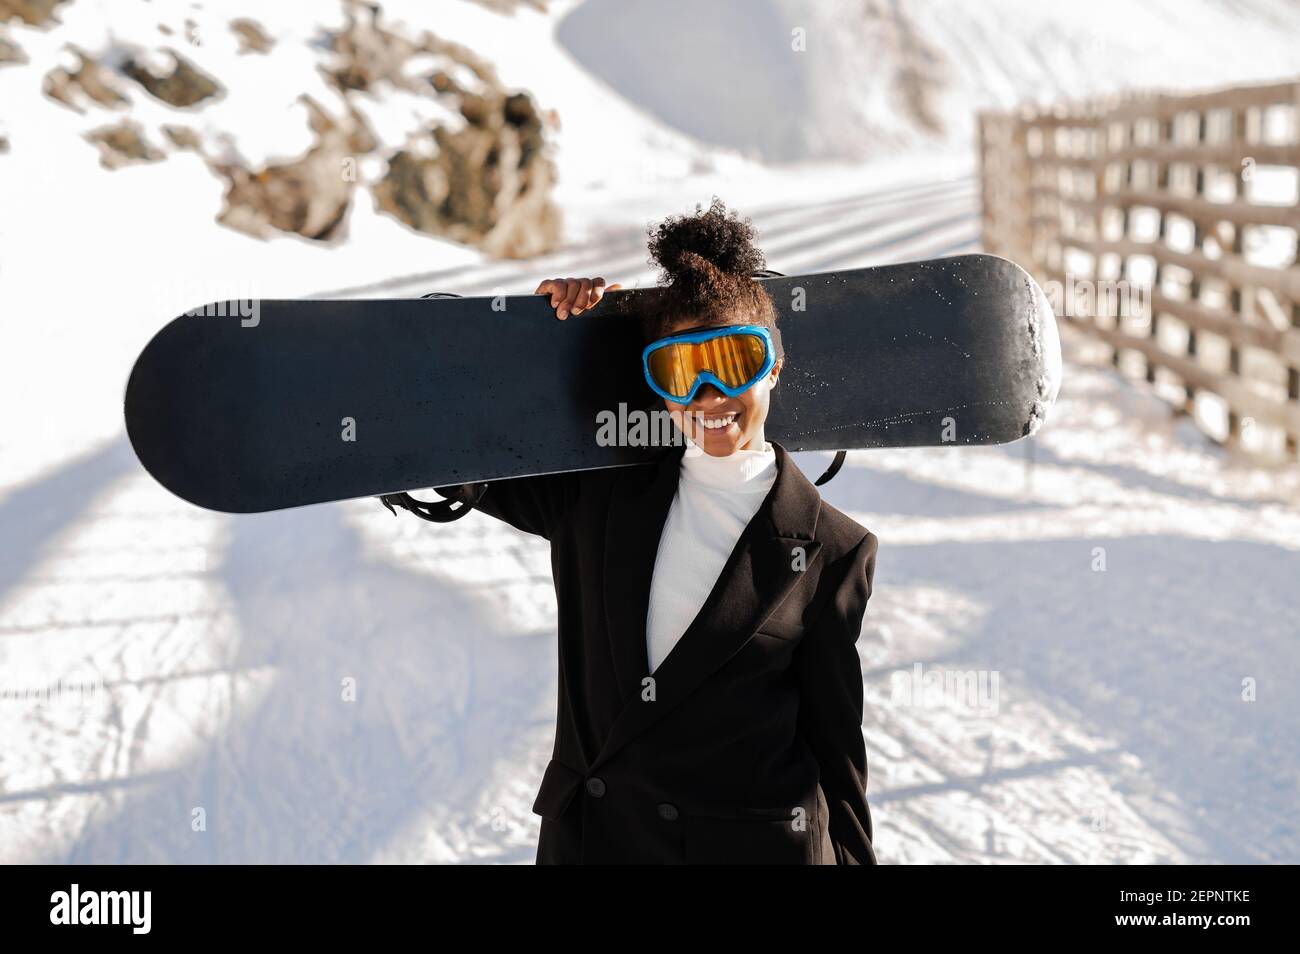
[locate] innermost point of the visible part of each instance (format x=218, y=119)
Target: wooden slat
x=1198, y=210
x=1221, y=153
x=1234, y=393
x=1222, y=322
x=1167, y=106
x=1229, y=268
x=1157, y=106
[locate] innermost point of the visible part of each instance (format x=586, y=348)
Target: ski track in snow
x=224, y=645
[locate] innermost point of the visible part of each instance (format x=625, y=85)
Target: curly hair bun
x=707, y=260
x=702, y=253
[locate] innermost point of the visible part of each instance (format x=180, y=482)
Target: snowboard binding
x=435, y=511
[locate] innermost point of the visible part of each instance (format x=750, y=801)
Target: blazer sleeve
x=830, y=705
x=535, y=505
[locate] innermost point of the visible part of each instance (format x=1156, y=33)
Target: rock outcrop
x=31, y=12
x=88, y=79
x=252, y=38
x=486, y=184
x=122, y=144
x=309, y=196
x=183, y=137
x=367, y=54
x=180, y=83
x=11, y=52
x=471, y=164
x=485, y=181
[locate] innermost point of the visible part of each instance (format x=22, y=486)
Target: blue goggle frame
x=708, y=377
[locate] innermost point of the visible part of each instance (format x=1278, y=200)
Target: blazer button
x=668, y=812
x=596, y=787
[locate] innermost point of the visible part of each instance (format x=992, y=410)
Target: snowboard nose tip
x=1047, y=346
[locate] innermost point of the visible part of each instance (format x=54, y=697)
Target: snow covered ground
x=1127, y=590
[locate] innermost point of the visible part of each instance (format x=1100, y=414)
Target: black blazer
x=745, y=746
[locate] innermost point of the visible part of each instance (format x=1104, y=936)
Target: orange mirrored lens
x=734, y=359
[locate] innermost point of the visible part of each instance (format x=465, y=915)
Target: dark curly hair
x=706, y=261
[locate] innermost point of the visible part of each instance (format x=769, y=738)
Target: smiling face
x=722, y=425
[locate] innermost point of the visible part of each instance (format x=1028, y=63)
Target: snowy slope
x=801, y=79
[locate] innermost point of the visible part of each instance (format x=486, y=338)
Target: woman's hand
x=573, y=296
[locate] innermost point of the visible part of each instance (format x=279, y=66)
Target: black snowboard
x=255, y=406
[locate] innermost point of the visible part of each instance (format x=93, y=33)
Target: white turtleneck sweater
x=716, y=498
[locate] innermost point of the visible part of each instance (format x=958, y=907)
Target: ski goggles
x=732, y=358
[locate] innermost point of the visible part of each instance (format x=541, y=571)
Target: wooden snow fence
x=1166, y=227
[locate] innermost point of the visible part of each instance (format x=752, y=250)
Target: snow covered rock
x=252, y=38
x=448, y=148
x=367, y=54
x=86, y=79
x=31, y=12
x=123, y=143
x=309, y=196
x=183, y=137
x=177, y=83
x=11, y=52
x=481, y=175
x=486, y=184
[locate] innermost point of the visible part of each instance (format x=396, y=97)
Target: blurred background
x=334, y=684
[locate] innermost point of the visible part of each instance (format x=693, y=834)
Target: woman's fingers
x=592, y=291
x=558, y=289
x=590, y=294
x=554, y=287
x=583, y=300
x=573, y=296
x=598, y=289
x=572, y=288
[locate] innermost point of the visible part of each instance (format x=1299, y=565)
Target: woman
x=710, y=695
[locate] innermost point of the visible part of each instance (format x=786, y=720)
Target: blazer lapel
x=761, y=570
x=640, y=500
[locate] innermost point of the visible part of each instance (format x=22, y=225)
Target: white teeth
x=717, y=423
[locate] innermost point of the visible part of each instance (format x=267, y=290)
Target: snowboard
x=253, y=406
